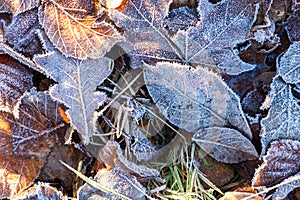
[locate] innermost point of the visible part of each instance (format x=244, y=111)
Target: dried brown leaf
x=41, y=191
x=38, y=127
x=240, y=196
x=25, y=142
x=15, y=80
x=280, y=162
x=74, y=32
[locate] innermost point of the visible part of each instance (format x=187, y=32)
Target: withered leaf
x=142, y=147
x=79, y=37
x=26, y=142
x=15, y=80
x=21, y=33
x=17, y=173
x=77, y=82
x=194, y=98
x=146, y=38
x=283, y=119
x=118, y=180
x=38, y=127
x=280, y=162
x=212, y=42
x=41, y=191
x=289, y=64
x=283, y=191
x=293, y=25
x=222, y=27
x=111, y=154
x=18, y=6
x=225, y=144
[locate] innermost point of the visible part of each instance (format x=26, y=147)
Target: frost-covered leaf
x=18, y=6
x=39, y=124
x=146, y=38
x=73, y=29
x=142, y=147
x=222, y=27
x=292, y=27
x=111, y=154
x=289, y=64
x=21, y=33
x=283, y=191
x=77, y=82
x=194, y=98
x=225, y=144
x=280, y=162
x=41, y=191
x=25, y=142
x=118, y=180
x=15, y=80
x=283, y=119
x=181, y=18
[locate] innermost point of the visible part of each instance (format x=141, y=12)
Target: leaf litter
x=185, y=48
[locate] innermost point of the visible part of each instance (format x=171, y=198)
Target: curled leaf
x=194, y=98
x=225, y=144
x=287, y=186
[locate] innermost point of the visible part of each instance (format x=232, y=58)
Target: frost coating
x=283, y=119
x=225, y=144
x=193, y=99
x=289, y=64
x=78, y=81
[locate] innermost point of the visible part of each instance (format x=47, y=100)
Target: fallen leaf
x=77, y=36
x=280, y=162
x=111, y=154
x=22, y=32
x=38, y=127
x=119, y=181
x=283, y=119
x=25, y=142
x=240, y=196
x=225, y=144
x=287, y=187
x=289, y=64
x=229, y=23
x=77, y=82
x=41, y=191
x=15, y=80
x=18, y=6
x=193, y=99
